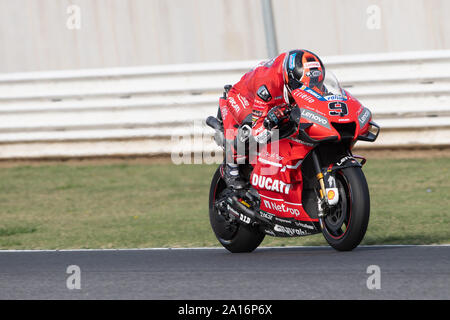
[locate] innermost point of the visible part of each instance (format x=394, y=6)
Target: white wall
x=34, y=36
x=341, y=26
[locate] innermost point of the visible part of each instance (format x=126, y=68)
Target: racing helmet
x=302, y=67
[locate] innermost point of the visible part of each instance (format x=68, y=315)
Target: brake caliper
x=331, y=190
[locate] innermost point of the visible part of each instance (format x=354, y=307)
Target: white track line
x=221, y=248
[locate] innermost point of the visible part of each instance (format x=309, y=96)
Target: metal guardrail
x=129, y=111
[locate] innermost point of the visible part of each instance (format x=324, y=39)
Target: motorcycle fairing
x=278, y=179
x=322, y=118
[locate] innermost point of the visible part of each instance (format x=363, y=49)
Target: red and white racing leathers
x=258, y=91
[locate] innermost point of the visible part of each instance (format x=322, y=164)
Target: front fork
x=319, y=176
x=328, y=193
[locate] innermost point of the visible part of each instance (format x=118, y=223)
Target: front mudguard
x=345, y=162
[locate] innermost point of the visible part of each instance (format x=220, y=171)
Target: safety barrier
x=136, y=110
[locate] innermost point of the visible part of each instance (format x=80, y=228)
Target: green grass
x=163, y=205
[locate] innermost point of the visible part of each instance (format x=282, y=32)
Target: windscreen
x=332, y=88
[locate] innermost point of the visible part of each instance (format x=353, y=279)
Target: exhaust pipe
x=245, y=214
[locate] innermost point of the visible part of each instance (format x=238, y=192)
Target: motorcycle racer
x=265, y=93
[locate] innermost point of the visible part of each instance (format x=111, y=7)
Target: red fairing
x=277, y=173
x=324, y=114
x=278, y=179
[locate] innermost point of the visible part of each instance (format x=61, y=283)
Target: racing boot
x=232, y=177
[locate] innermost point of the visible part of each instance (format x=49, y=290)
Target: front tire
x=235, y=238
x=346, y=224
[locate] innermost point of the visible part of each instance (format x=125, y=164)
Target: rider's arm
x=265, y=118
x=267, y=95
x=259, y=132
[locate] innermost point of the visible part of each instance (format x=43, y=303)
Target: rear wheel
x=234, y=237
x=346, y=223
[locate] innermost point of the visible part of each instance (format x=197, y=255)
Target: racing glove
x=276, y=116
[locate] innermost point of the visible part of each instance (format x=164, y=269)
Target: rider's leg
x=237, y=109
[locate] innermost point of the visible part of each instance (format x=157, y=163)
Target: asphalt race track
x=405, y=272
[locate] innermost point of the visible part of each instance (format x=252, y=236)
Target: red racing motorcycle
x=305, y=182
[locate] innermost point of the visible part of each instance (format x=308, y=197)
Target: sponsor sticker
x=270, y=184
x=343, y=160
x=271, y=156
x=312, y=64
x=224, y=112
x=303, y=225
x=335, y=97
x=289, y=231
x=283, y=220
x=266, y=215
x=314, y=74
x=302, y=95
x=281, y=207
x=243, y=100
x=332, y=195
x=234, y=105
x=315, y=118
x=312, y=92
x=364, y=117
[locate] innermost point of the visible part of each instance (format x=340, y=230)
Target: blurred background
x=96, y=98
x=120, y=33
x=112, y=78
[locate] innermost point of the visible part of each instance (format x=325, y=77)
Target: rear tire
x=235, y=239
x=346, y=226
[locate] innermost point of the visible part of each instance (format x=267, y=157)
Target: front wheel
x=346, y=223
x=235, y=238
